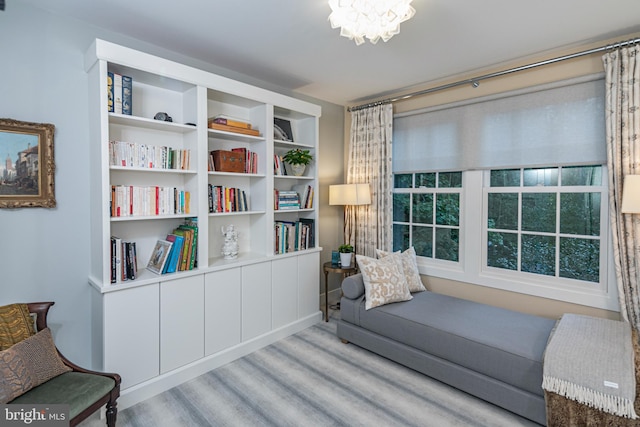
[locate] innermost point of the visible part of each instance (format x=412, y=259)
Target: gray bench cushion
x=502, y=344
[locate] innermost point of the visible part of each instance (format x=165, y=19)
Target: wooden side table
x=328, y=267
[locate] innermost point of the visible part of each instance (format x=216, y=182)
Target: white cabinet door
x=181, y=322
x=308, y=284
x=256, y=300
x=222, y=305
x=284, y=282
x=131, y=334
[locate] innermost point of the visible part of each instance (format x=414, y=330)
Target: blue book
x=176, y=250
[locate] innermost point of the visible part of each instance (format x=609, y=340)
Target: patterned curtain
x=369, y=227
x=622, y=68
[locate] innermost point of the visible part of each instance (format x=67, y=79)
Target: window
x=526, y=208
x=426, y=214
x=545, y=221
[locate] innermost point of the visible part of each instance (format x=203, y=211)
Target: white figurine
x=230, y=245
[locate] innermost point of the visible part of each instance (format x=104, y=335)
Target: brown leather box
x=228, y=161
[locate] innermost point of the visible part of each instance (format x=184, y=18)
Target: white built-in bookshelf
x=159, y=330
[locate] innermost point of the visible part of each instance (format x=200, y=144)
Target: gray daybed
x=492, y=353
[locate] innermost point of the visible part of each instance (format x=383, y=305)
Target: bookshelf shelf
x=140, y=317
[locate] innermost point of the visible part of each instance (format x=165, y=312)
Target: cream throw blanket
x=590, y=360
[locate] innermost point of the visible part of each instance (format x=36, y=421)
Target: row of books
x=278, y=165
x=178, y=251
x=131, y=200
x=306, y=195
x=124, y=260
x=227, y=199
x=120, y=94
x=137, y=155
x=229, y=124
x=293, y=236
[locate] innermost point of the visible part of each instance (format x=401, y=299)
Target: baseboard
x=164, y=382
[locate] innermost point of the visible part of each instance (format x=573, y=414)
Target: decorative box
x=228, y=161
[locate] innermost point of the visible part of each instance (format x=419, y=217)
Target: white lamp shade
x=349, y=194
x=631, y=194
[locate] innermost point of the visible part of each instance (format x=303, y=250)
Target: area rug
x=312, y=379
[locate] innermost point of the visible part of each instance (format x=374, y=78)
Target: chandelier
x=373, y=19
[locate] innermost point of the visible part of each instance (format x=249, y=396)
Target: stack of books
x=228, y=124
x=286, y=200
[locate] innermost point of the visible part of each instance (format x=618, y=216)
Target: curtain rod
x=475, y=81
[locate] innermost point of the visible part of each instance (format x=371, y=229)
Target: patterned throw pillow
x=28, y=364
x=410, y=268
x=384, y=281
x=15, y=325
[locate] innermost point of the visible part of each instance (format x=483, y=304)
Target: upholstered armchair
x=33, y=371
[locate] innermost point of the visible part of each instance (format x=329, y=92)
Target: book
x=110, y=91
x=174, y=257
x=223, y=120
x=127, y=92
x=227, y=128
x=159, y=256
x=193, y=251
x=117, y=93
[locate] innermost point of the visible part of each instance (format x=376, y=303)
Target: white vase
x=298, y=170
x=345, y=259
x=230, y=247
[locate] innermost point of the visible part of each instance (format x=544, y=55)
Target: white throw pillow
x=384, y=281
x=409, y=267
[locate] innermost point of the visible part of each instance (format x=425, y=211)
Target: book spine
x=127, y=92
x=110, y=91
x=117, y=93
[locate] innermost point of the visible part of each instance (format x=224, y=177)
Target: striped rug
x=312, y=379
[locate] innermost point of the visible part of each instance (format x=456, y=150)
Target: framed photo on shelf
x=159, y=256
x=27, y=178
x=282, y=130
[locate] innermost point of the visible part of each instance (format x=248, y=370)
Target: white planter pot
x=345, y=259
x=298, y=170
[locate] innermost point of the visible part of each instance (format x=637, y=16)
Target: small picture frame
x=159, y=256
x=27, y=179
x=282, y=130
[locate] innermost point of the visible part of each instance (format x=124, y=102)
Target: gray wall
x=44, y=254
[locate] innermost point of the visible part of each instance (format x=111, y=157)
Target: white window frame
x=471, y=267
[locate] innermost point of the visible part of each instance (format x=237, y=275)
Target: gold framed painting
x=27, y=172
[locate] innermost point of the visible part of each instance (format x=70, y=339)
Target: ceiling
x=290, y=43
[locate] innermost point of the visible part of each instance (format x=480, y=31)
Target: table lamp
x=631, y=194
x=349, y=195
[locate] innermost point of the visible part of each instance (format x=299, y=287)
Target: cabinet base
x=164, y=382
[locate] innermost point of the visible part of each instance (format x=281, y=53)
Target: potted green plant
x=346, y=252
x=298, y=159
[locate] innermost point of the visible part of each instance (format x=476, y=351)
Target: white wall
x=44, y=253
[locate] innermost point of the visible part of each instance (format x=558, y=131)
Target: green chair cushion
x=76, y=389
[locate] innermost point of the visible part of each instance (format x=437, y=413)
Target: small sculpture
x=230, y=245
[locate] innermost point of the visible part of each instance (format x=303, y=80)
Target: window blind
x=559, y=123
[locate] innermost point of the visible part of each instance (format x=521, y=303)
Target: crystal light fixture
x=373, y=19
